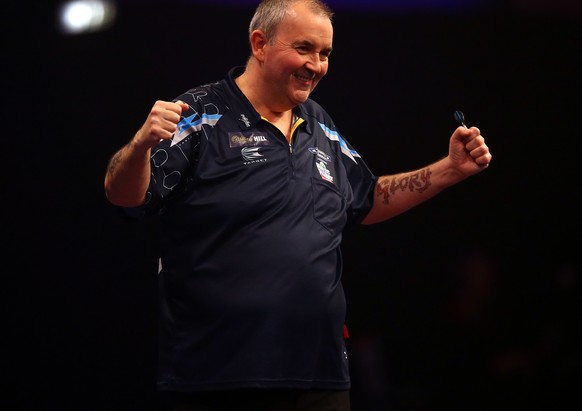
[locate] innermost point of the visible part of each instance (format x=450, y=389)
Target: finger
x=469, y=134
x=481, y=156
x=473, y=143
x=475, y=131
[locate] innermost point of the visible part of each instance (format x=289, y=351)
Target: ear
x=258, y=41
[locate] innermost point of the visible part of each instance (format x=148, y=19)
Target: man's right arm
x=128, y=175
x=128, y=172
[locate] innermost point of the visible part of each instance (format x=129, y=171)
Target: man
x=253, y=186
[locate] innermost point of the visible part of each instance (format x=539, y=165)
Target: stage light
x=83, y=16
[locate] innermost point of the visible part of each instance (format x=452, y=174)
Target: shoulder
x=313, y=108
x=202, y=95
x=313, y=111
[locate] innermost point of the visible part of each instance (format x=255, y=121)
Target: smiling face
x=296, y=59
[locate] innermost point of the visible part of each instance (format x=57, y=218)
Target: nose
x=316, y=64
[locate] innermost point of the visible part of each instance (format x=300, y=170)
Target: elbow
x=121, y=201
x=121, y=198
x=371, y=218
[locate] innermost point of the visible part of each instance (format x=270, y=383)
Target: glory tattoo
x=418, y=181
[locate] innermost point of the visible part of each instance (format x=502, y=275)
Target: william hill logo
x=250, y=139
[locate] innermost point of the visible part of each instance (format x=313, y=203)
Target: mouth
x=304, y=77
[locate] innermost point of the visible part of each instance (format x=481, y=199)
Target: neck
x=260, y=96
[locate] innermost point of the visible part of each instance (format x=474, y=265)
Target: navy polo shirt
x=251, y=226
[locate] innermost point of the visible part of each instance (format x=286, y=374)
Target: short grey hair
x=270, y=13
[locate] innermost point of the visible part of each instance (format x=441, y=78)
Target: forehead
x=303, y=24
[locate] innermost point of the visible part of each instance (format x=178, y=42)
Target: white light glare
x=81, y=16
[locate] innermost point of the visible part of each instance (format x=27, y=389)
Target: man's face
x=298, y=56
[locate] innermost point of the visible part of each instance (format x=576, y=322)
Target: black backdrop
x=470, y=301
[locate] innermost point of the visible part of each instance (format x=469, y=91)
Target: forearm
x=395, y=194
x=127, y=176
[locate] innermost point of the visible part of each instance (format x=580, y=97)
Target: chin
x=301, y=97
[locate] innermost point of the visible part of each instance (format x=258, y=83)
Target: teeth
x=304, y=78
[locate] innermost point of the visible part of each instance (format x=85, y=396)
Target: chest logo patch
x=251, y=155
x=247, y=139
x=320, y=154
x=321, y=163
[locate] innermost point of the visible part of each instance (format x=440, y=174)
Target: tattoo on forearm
x=418, y=181
x=113, y=163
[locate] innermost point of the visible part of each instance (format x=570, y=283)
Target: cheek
x=291, y=59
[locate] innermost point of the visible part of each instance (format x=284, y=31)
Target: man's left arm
x=395, y=194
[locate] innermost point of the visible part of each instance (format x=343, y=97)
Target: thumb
x=183, y=106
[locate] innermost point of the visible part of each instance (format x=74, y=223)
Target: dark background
x=470, y=301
